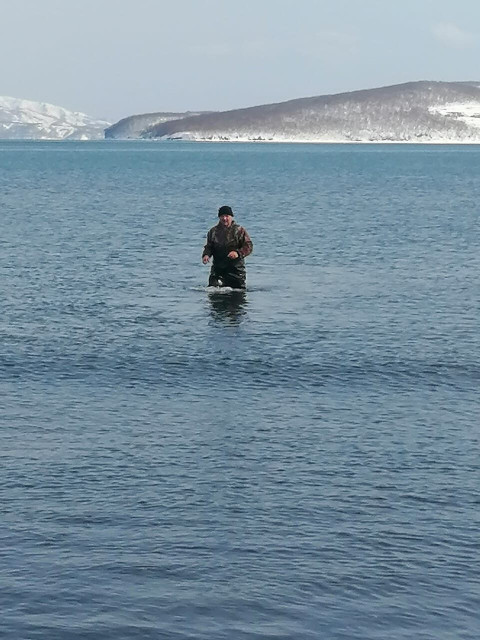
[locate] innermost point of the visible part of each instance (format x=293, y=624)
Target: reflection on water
x=228, y=305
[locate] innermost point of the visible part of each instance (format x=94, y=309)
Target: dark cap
x=225, y=211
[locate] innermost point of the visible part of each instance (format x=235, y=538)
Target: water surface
x=297, y=462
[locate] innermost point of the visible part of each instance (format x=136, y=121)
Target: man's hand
x=233, y=255
x=205, y=259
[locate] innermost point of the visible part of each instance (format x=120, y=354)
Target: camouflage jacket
x=221, y=240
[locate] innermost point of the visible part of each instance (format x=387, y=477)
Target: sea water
x=297, y=462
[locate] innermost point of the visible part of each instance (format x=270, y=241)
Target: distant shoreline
x=186, y=141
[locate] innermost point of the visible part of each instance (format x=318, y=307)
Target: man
x=228, y=243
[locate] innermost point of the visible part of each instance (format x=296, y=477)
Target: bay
x=297, y=462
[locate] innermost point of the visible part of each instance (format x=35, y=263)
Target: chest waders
x=225, y=271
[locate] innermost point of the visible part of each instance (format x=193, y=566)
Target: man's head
x=225, y=215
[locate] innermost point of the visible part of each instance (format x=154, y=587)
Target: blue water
x=301, y=462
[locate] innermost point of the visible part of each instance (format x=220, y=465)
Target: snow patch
x=467, y=112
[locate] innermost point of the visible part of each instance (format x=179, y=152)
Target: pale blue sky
x=113, y=58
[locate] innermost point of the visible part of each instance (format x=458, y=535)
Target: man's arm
x=207, y=249
x=245, y=244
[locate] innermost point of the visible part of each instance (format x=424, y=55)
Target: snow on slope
x=467, y=112
x=26, y=119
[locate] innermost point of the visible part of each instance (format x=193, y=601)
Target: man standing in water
x=228, y=243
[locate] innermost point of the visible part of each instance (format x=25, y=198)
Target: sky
x=115, y=58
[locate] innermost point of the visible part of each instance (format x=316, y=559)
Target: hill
x=412, y=112
x=136, y=126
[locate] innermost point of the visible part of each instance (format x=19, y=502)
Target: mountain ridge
x=22, y=119
x=423, y=111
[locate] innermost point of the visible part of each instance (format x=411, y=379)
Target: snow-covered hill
x=443, y=112
x=139, y=126
x=25, y=119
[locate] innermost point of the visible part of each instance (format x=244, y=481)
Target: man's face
x=226, y=220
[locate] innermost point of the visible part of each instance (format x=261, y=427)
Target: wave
x=249, y=370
